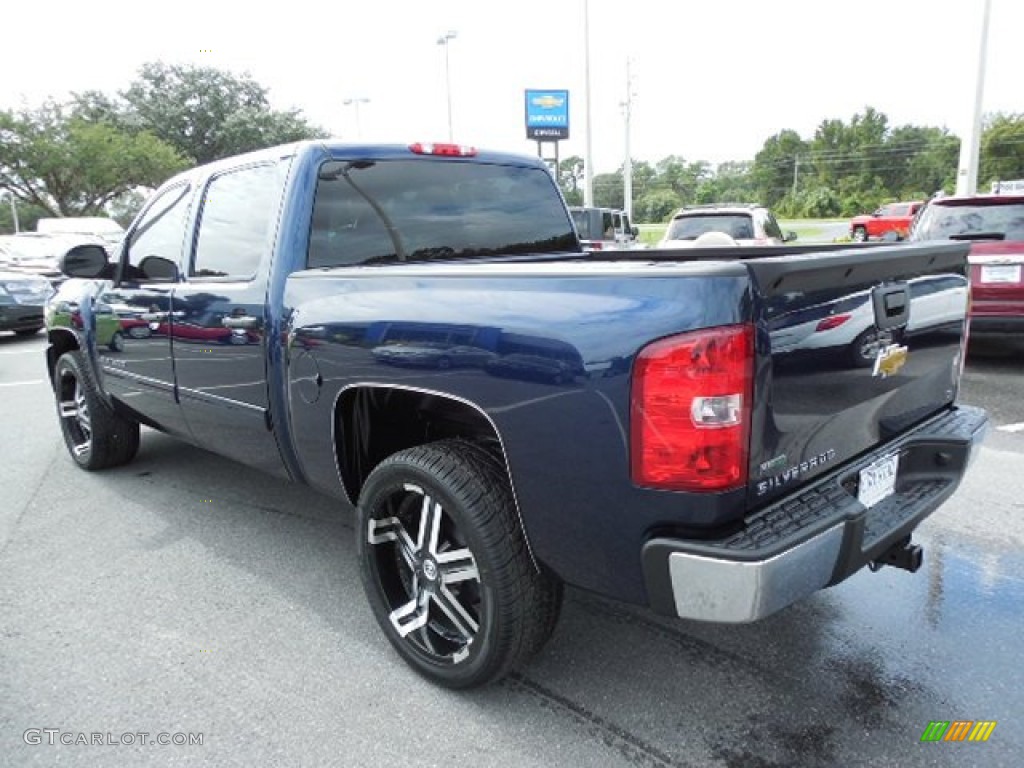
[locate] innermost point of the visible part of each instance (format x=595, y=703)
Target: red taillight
x=834, y=321
x=690, y=410
x=443, y=150
x=596, y=246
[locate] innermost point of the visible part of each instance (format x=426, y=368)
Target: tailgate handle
x=892, y=306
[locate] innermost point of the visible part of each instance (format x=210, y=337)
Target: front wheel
x=96, y=436
x=446, y=568
x=860, y=235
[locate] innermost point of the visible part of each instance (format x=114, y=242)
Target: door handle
x=243, y=321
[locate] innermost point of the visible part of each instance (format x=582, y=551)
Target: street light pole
x=354, y=103
x=444, y=40
x=970, y=147
x=627, y=166
x=588, y=157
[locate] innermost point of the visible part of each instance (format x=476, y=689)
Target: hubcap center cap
x=429, y=570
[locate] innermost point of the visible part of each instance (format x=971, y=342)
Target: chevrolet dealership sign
x=547, y=115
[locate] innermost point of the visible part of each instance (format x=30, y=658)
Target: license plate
x=878, y=481
x=1000, y=273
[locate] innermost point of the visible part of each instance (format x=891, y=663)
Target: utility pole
x=970, y=147
x=796, y=171
x=588, y=156
x=627, y=165
x=14, y=212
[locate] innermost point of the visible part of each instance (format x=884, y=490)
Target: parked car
x=519, y=365
x=746, y=224
x=994, y=225
x=22, y=297
x=847, y=326
x=100, y=227
x=892, y=219
x=36, y=254
x=603, y=229
x=703, y=481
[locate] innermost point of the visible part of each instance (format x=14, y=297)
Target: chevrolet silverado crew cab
x=415, y=331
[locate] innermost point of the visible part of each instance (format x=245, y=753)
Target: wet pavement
x=184, y=593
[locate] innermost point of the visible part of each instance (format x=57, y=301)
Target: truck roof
x=341, y=150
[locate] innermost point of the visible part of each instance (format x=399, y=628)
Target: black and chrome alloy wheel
x=427, y=573
x=446, y=567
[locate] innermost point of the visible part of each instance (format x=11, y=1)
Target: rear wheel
x=864, y=349
x=446, y=567
x=96, y=436
x=29, y=331
x=860, y=235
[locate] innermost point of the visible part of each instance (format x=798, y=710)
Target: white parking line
x=33, y=383
x=1019, y=427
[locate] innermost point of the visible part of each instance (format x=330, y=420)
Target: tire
x=446, y=568
x=864, y=349
x=96, y=436
x=28, y=331
x=117, y=342
x=860, y=235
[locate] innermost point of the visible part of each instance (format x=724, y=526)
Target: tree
x=206, y=113
x=773, y=169
x=1002, y=148
x=609, y=191
x=570, y=179
x=66, y=165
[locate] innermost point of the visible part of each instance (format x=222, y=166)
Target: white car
x=746, y=224
x=848, y=324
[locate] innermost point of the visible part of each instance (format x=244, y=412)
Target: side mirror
x=88, y=261
x=159, y=268
x=790, y=237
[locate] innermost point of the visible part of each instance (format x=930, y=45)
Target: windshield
x=414, y=210
x=690, y=227
x=942, y=220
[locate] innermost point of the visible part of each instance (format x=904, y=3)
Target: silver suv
x=740, y=223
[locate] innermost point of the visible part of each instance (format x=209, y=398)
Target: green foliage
x=205, y=113
x=67, y=165
x=656, y=205
x=1002, y=149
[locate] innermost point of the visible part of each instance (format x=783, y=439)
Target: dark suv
x=994, y=224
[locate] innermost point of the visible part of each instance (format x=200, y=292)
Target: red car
x=994, y=224
x=893, y=217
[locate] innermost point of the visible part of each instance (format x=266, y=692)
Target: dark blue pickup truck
x=714, y=433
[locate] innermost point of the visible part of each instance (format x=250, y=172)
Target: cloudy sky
x=711, y=80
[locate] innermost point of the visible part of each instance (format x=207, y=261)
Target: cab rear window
x=376, y=212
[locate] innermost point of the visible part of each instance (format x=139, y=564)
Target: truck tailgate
x=854, y=347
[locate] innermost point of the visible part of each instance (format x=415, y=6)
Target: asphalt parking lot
x=184, y=594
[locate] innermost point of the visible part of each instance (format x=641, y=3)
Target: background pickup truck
x=415, y=331
x=894, y=218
